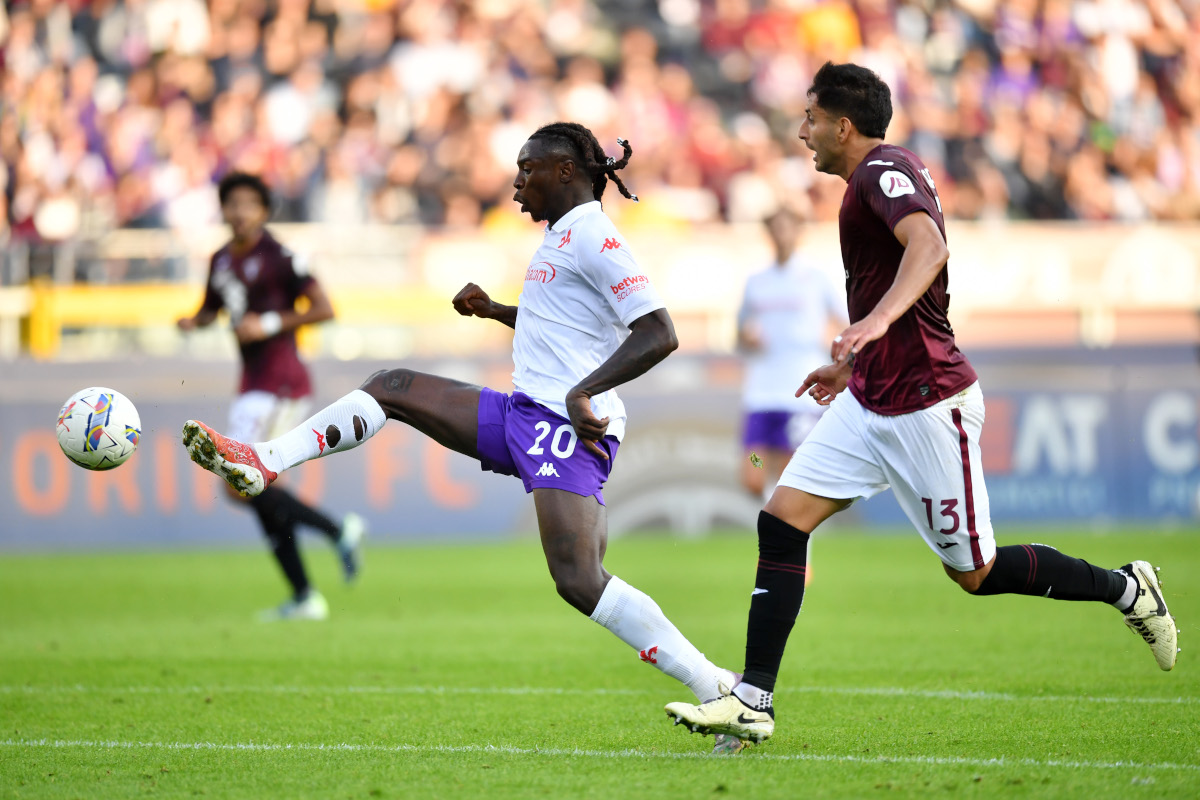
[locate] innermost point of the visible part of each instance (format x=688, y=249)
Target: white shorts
x=258, y=416
x=929, y=457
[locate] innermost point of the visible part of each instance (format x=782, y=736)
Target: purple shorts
x=518, y=436
x=768, y=429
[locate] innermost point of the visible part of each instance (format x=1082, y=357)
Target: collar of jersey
x=571, y=217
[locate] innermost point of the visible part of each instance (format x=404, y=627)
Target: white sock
x=637, y=621
x=1125, y=602
x=753, y=696
x=330, y=430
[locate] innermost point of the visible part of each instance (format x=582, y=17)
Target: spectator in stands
x=1027, y=109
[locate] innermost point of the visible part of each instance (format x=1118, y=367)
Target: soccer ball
x=98, y=428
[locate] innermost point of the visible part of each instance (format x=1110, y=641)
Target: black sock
x=778, y=593
x=293, y=509
x=1038, y=569
x=281, y=533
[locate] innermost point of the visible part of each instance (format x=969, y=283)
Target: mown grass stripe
x=876, y=691
x=563, y=752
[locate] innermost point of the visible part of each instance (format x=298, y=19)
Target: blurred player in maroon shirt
x=910, y=422
x=257, y=281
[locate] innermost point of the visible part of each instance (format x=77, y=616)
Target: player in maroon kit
x=911, y=420
x=258, y=281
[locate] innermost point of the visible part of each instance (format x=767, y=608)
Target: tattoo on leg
x=399, y=381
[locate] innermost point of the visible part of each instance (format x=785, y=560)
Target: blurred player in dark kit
x=910, y=422
x=258, y=282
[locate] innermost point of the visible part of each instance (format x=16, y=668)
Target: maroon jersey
x=916, y=363
x=268, y=278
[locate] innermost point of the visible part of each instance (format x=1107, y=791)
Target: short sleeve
x=893, y=192
x=296, y=275
x=606, y=263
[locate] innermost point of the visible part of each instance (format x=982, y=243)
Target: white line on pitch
x=882, y=691
x=530, y=751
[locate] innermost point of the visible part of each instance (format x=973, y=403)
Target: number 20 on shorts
x=558, y=447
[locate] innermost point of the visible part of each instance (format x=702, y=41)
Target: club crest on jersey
x=896, y=184
x=541, y=272
x=565, y=240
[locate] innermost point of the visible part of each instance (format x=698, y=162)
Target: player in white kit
x=783, y=320
x=911, y=419
x=588, y=320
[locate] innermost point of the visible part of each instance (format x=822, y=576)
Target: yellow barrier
x=52, y=308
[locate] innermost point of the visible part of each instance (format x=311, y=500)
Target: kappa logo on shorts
x=548, y=470
x=320, y=441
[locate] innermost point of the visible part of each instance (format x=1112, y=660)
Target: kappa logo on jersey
x=648, y=655
x=634, y=283
x=565, y=240
x=539, y=274
x=548, y=471
x=896, y=184
x=610, y=244
x=320, y=441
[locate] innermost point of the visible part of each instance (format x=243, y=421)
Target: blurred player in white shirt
x=784, y=324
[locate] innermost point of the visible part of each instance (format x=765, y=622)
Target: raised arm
x=651, y=339
x=472, y=301
x=925, y=254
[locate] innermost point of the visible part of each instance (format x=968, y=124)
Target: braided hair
x=582, y=144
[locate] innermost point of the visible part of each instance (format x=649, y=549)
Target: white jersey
x=791, y=307
x=582, y=290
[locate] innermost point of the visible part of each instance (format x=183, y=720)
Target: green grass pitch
x=457, y=672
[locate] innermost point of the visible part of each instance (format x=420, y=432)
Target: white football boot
x=728, y=715
x=1149, y=617
x=311, y=607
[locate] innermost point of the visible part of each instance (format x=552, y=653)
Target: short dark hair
x=856, y=93
x=580, y=143
x=244, y=180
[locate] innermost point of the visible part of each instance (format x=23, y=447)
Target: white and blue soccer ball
x=98, y=428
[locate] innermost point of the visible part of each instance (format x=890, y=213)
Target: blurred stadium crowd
x=122, y=113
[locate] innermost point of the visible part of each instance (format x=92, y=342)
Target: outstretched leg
x=783, y=529
x=1041, y=571
x=574, y=537
x=443, y=409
